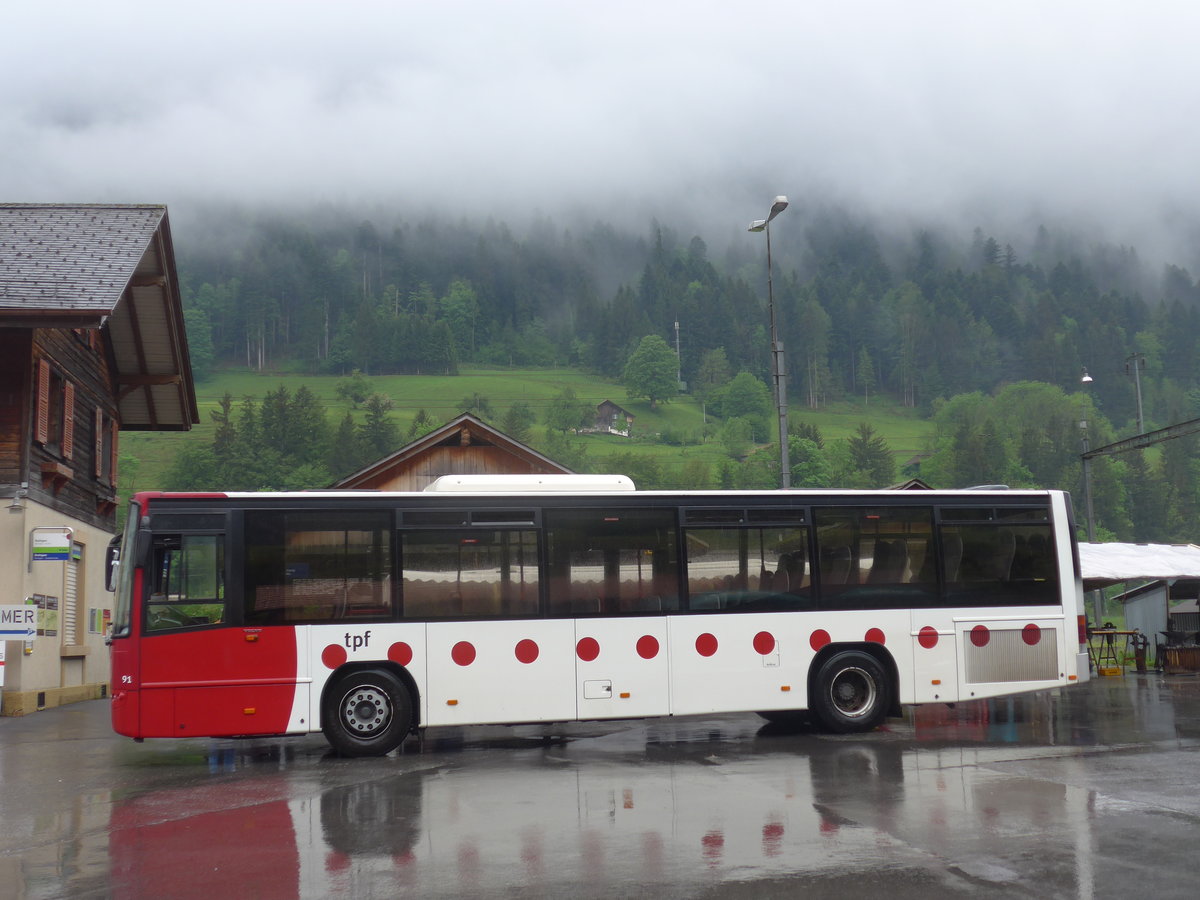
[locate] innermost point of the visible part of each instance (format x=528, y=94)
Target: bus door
x=743, y=647
x=201, y=674
x=491, y=658
x=615, y=573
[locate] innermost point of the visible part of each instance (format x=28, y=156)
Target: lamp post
x=777, y=371
x=1090, y=514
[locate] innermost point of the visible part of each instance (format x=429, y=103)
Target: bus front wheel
x=851, y=693
x=366, y=713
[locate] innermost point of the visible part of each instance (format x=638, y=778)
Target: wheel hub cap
x=366, y=710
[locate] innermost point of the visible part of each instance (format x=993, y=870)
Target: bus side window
x=999, y=564
x=188, y=582
x=876, y=557
x=315, y=566
x=748, y=569
x=469, y=574
x=611, y=561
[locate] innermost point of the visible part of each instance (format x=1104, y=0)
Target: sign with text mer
x=18, y=623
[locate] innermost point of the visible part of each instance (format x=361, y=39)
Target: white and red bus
x=513, y=599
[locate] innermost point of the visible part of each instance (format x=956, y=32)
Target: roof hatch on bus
x=520, y=484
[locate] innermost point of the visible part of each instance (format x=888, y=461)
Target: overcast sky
x=696, y=110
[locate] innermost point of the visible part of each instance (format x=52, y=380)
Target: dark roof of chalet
x=477, y=432
x=912, y=484
x=96, y=265
x=617, y=406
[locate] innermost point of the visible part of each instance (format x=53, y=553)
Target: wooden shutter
x=98, y=432
x=41, y=425
x=112, y=476
x=68, y=435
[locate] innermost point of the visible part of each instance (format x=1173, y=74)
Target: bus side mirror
x=112, y=563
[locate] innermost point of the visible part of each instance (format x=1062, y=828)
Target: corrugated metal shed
x=108, y=266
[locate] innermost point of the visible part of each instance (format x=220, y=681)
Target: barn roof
x=464, y=431
x=112, y=266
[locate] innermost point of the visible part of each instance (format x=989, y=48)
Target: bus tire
x=851, y=693
x=367, y=712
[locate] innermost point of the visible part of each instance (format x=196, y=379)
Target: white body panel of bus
x=545, y=670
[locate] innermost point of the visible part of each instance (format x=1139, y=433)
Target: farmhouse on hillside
x=613, y=419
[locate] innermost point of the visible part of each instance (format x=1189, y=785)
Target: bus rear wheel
x=366, y=713
x=851, y=693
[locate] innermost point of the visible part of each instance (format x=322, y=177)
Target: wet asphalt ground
x=1090, y=791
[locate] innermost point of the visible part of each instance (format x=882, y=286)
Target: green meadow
x=146, y=456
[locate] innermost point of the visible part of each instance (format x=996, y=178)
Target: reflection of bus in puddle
x=563, y=819
x=1042, y=719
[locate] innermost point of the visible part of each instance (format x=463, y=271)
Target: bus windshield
x=122, y=609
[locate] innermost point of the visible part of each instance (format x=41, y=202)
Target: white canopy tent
x=1105, y=564
x=1148, y=608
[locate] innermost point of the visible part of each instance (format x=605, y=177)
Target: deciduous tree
x=652, y=371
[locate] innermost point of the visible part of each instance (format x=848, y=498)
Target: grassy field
x=146, y=456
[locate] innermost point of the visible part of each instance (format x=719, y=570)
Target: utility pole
x=1134, y=364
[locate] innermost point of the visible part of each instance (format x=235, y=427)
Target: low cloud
x=699, y=114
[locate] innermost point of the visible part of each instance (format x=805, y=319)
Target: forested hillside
x=915, y=320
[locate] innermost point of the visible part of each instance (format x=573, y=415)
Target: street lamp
x=777, y=372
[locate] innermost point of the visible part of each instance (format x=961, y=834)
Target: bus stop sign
x=18, y=623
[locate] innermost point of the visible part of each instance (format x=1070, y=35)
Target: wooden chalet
x=465, y=446
x=613, y=419
x=92, y=343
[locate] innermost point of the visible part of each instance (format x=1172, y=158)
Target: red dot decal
x=587, y=649
x=400, y=653
x=1031, y=634
x=706, y=644
x=647, y=646
x=875, y=636
x=463, y=653
x=333, y=656
x=980, y=636
x=527, y=651
x=764, y=643
x=818, y=639
x=928, y=637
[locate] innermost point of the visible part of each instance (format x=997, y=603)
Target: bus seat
x=1005, y=551
x=952, y=547
x=797, y=565
x=782, y=580
x=881, y=562
x=835, y=565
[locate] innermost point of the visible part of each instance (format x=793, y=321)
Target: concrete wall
x=72, y=663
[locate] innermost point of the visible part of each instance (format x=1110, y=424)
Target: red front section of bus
x=217, y=682
x=123, y=666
